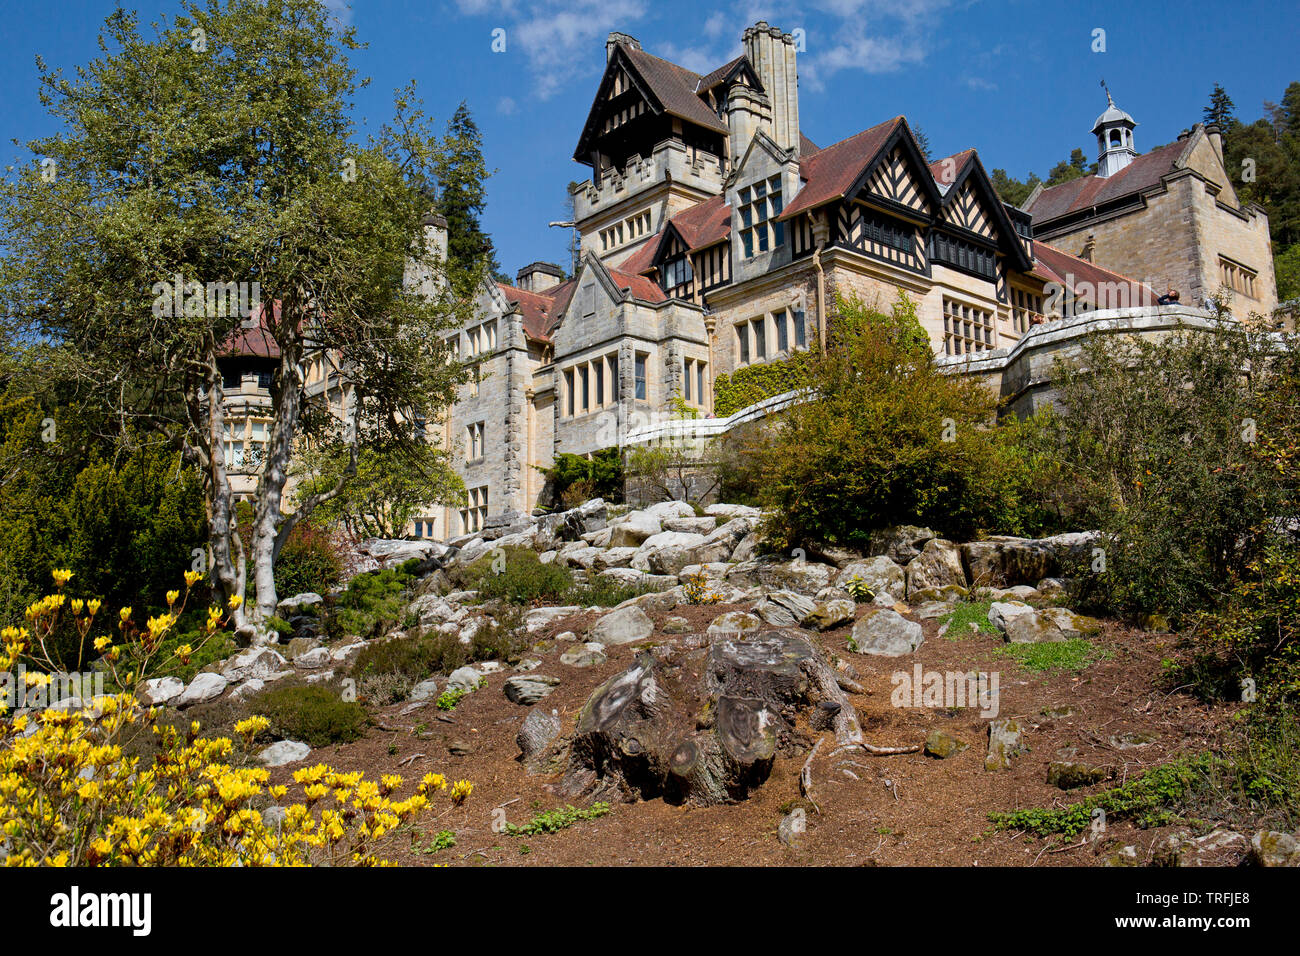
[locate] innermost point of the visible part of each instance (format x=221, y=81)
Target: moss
x=311, y=713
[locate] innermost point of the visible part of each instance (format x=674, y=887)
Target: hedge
x=753, y=383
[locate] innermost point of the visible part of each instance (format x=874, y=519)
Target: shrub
x=887, y=440
x=574, y=479
x=309, y=561
x=517, y=575
x=191, y=803
x=311, y=713
x=1181, y=459
x=605, y=592
x=373, y=603
x=753, y=383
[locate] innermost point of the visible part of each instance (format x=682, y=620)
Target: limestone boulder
x=630, y=530
x=938, y=565
x=901, y=543
x=881, y=574
x=785, y=608
x=885, y=633
x=621, y=626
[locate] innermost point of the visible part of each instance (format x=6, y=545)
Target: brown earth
x=900, y=810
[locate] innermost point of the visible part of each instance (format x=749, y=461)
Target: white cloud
x=506, y=106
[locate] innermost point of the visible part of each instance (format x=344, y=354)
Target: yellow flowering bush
x=71, y=796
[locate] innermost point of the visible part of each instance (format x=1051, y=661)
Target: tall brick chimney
x=772, y=54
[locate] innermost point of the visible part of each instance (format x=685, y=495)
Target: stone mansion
x=714, y=234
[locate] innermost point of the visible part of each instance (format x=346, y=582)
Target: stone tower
x=1114, y=132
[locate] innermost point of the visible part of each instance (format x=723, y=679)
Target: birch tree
x=216, y=152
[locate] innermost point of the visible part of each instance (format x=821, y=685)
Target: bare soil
x=893, y=811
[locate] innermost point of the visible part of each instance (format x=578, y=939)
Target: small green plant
x=373, y=603
x=1150, y=800
x=605, y=592
x=442, y=840
x=697, y=590
x=966, y=613
x=448, y=699
x=552, y=821
x=859, y=590
x=280, y=626
x=1071, y=655
x=311, y=713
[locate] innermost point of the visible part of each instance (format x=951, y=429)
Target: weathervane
x=1107, y=89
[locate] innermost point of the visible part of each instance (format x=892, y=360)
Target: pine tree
x=1219, y=112
x=462, y=196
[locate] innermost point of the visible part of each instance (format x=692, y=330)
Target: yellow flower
x=124, y=615
x=172, y=596
x=235, y=601
x=93, y=606
x=62, y=576
x=460, y=791
x=192, y=578
x=183, y=653
x=102, y=642
x=77, y=605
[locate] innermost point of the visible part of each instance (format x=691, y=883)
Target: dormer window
x=760, y=204
x=677, y=271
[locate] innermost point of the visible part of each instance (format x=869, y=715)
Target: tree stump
x=702, y=723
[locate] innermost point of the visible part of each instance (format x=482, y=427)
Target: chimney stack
x=1216, y=139
x=616, y=38
x=539, y=276
x=1089, y=248
x=772, y=54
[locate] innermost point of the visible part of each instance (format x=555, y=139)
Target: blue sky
x=1016, y=79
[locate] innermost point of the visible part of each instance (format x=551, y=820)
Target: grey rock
x=885, y=633
x=632, y=529
x=248, y=688
x=256, y=662
x=316, y=657
x=938, y=565
x=900, y=544
x=284, y=751
x=295, y=605
x=204, y=687
x=464, y=678
x=880, y=574
x=536, y=733
x=528, y=689
x=793, y=826
x=161, y=690
x=1005, y=742
x=424, y=690
x=585, y=655
x=734, y=624
x=676, y=625
x=785, y=608
x=622, y=626
x=667, y=552
x=826, y=615
x=941, y=745
x=691, y=525
x=1274, y=848
x=299, y=646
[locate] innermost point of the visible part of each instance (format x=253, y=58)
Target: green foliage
x=1286, y=266
x=552, y=821
x=309, y=561
x=888, y=440
x=1153, y=799
x=311, y=713
x=393, y=485
x=448, y=699
x=1072, y=655
x=966, y=613
x=462, y=197
x=125, y=521
x=206, y=651
x=442, y=840
x=573, y=479
x=1179, y=460
x=517, y=576
x=601, y=591
x=859, y=590
x=753, y=383
x=373, y=603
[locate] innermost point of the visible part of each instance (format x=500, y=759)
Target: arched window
x=1114, y=137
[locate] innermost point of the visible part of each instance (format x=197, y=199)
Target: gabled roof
x=1059, y=266
x=704, y=223
x=1144, y=172
x=640, y=287
x=253, y=341
x=535, y=308
x=643, y=259
x=969, y=168
x=724, y=74
x=831, y=172
x=954, y=164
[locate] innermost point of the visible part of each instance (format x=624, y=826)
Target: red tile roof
x=253, y=341
x=535, y=308
x=640, y=261
x=830, y=172
x=1117, y=290
x=1144, y=172
x=704, y=223
x=674, y=86
x=640, y=287
x=711, y=80
x=951, y=164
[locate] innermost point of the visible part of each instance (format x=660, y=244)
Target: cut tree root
x=876, y=751
x=805, y=775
